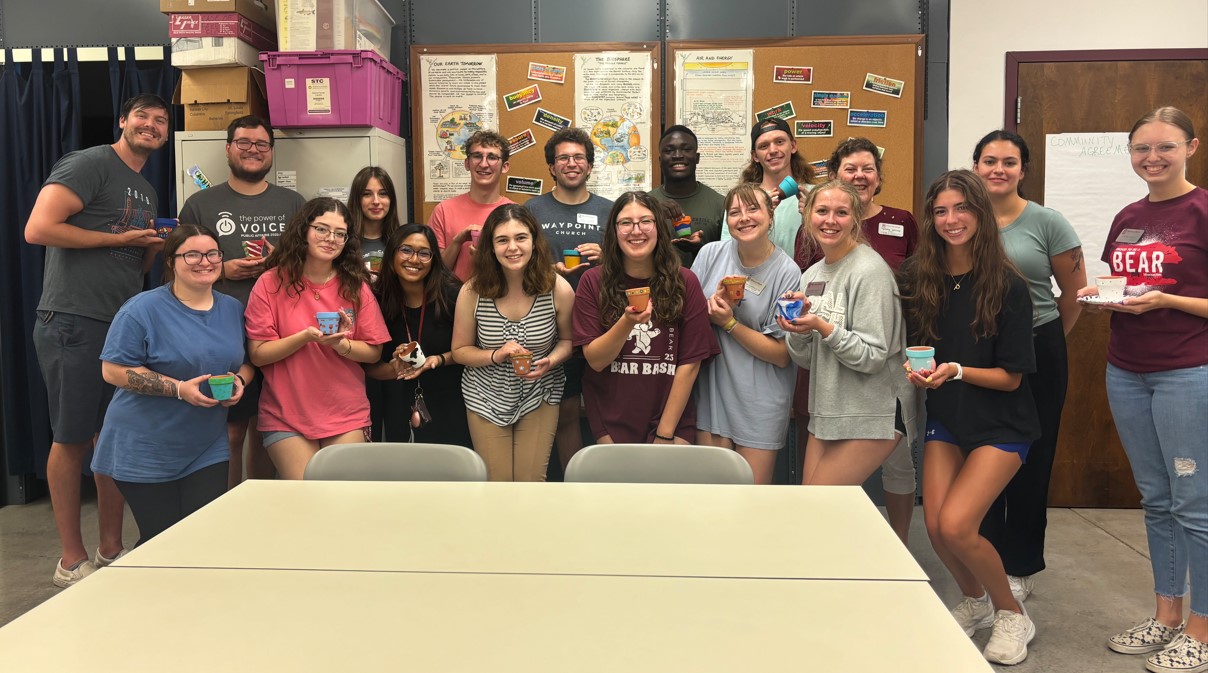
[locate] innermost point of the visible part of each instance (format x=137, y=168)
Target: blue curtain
x=40, y=103
x=128, y=78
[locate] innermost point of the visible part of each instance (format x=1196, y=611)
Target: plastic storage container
x=333, y=88
x=307, y=25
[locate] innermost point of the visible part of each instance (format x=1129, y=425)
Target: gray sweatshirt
x=856, y=373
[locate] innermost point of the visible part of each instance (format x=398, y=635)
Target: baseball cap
x=769, y=124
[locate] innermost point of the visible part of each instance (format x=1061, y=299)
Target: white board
x=1088, y=178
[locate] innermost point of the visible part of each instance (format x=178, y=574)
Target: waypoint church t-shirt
x=1160, y=246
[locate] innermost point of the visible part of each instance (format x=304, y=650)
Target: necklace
x=315, y=288
x=960, y=280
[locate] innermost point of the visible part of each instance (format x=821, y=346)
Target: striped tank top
x=495, y=392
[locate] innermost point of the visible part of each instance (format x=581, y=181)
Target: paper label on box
x=289, y=83
x=287, y=179
x=318, y=95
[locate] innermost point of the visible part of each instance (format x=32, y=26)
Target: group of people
x=496, y=323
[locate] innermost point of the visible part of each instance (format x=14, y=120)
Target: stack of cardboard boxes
x=217, y=43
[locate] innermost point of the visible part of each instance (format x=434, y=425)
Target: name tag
x=754, y=286
x=815, y=288
x=1129, y=236
x=890, y=229
x=586, y=218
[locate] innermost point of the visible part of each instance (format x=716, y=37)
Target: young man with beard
x=678, y=158
x=571, y=218
x=455, y=219
x=249, y=215
x=774, y=157
x=95, y=215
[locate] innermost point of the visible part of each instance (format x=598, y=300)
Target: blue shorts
x=938, y=432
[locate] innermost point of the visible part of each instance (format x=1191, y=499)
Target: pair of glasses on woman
x=323, y=232
x=424, y=255
x=193, y=258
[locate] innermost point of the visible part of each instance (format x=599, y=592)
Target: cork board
x=837, y=64
x=512, y=74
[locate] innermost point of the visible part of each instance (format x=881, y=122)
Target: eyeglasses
x=245, y=144
x=645, y=224
x=488, y=158
x=323, y=232
x=1162, y=148
x=569, y=158
x=424, y=255
x=193, y=258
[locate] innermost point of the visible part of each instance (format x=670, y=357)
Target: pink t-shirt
x=451, y=217
x=625, y=401
x=1161, y=246
x=314, y=391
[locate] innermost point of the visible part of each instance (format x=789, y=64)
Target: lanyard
x=419, y=334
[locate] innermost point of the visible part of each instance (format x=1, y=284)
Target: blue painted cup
x=788, y=187
x=222, y=387
x=921, y=358
x=789, y=309
x=329, y=321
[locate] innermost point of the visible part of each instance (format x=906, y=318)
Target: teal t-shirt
x=1031, y=241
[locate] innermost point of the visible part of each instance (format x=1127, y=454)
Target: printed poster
x=830, y=99
x=883, y=85
x=458, y=99
x=1088, y=178
x=612, y=97
x=814, y=128
x=713, y=96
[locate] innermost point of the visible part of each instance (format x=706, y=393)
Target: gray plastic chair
x=659, y=464
x=395, y=461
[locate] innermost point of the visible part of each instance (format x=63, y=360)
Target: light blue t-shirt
x=150, y=439
x=785, y=225
x=1031, y=241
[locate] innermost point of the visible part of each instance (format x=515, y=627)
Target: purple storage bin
x=333, y=88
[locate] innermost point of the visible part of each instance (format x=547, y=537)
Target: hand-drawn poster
x=459, y=99
x=713, y=94
x=612, y=103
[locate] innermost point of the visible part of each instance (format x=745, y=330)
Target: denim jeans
x=1162, y=418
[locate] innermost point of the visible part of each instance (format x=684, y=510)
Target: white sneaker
x=1010, y=637
x=100, y=561
x=1021, y=587
x=64, y=578
x=974, y=614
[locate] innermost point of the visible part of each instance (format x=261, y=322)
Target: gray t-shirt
x=238, y=218
x=855, y=373
x=566, y=227
x=95, y=282
x=1031, y=241
x=738, y=395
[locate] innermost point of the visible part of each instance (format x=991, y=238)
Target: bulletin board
x=515, y=76
x=803, y=80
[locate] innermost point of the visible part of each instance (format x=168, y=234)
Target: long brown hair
x=389, y=287
x=801, y=171
x=666, y=286
x=290, y=254
x=360, y=182
x=924, y=279
x=488, y=281
x=809, y=243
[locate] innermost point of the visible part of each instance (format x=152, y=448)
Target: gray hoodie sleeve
x=874, y=314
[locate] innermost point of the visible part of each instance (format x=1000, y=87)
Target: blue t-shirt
x=150, y=439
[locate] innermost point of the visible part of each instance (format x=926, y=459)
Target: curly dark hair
x=570, y=135
x=360, y=182
x=924, y=276
x=539, y=276
x=487, y=139
x=183, y=232
x=389, y=287
x=290, y=254
x=666, y=286
x=849, y=147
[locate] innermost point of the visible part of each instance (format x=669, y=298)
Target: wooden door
x=1060, y=95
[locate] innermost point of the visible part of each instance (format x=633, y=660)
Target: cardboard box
x=222, y=24
x=262, y=12
x=208, y=52
x=325, y=25
x=214, y=96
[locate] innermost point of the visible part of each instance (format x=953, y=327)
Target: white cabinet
x=314, y=162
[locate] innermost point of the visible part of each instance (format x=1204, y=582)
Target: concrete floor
x=1097, y=582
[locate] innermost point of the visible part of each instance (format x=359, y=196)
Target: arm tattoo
x=149, y=384
x=1076, y=256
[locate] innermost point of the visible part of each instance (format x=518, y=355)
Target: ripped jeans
x=1162, y=418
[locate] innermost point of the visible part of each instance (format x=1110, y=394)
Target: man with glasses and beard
x=249, y=215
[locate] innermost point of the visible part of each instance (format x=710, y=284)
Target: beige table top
x=184, y=619
x=668, y=530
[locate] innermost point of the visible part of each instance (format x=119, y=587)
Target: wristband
x=442, y=359
x=349, y=351
x=960, y=371
x=241, y=381
x=493, y=356
x=728, y=327
x=665, y=439
x=178, y=392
